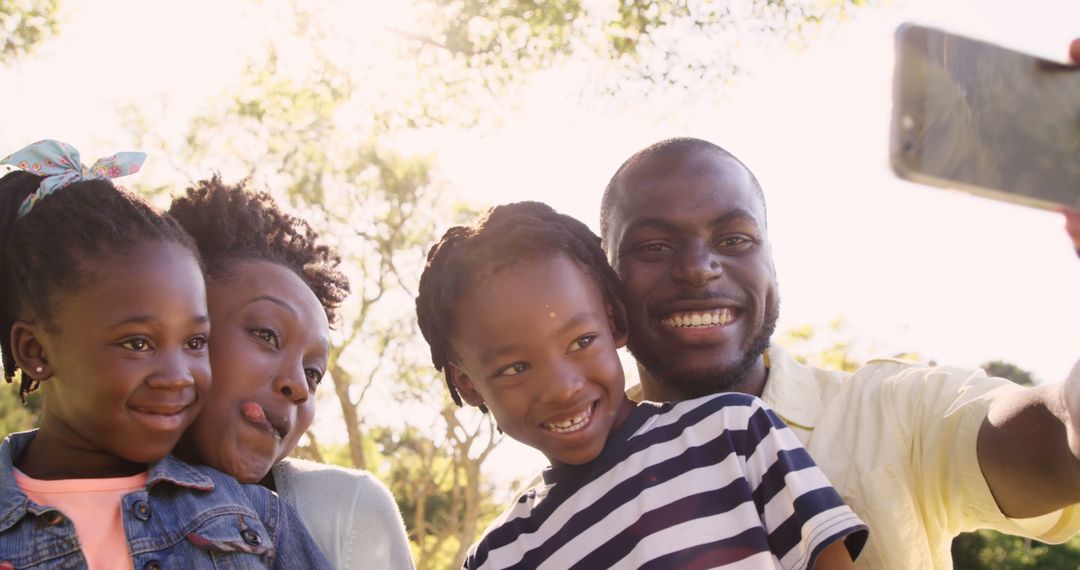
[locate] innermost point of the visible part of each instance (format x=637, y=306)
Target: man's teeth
x=573, y=424
x=700, y=318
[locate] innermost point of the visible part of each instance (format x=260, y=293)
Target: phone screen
x=979, y=117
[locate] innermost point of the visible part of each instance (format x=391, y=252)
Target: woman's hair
x=51, y=250
x=503, y=236
x=231, y=224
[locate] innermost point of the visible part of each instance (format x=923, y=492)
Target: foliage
x=1009, y=371
x=14, y=416
x=24, y=24
x=642, y=44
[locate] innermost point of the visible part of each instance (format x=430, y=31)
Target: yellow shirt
x=897, y=440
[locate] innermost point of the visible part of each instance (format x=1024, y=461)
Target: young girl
x=272, y=290
x=103, y=303
x=523, y=316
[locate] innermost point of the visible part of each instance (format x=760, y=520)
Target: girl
x=103, y=303
x=523, y=315
x=272, y=290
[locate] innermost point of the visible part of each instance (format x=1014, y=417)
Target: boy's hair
x=51, y=250
x=231, y=224
x=503, y=236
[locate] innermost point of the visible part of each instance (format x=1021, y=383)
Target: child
x=523, y=316
x=103, y=302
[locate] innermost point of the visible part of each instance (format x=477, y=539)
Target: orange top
x=93, y=505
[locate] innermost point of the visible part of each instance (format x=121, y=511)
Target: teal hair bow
x=60, y=166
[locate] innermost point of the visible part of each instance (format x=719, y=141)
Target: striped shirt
x=716, y=482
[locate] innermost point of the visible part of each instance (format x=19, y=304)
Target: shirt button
x=251, y=537
x=152, y=565
x=142, y=512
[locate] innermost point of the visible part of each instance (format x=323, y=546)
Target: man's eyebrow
x=738, y=214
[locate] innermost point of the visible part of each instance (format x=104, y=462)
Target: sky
x=955, y=278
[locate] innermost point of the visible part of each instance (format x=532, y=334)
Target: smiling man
x=920, y=453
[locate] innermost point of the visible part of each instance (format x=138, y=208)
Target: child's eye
x=513, y=369
x=582, y=342
x=196, y=343
x=136, y=344
x=314, y=376
x=268, y=336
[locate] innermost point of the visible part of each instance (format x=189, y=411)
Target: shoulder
x=309, y=479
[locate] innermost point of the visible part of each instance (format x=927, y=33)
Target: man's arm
x=1029, y=448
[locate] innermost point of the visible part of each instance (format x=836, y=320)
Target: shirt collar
x=14, y=504
x=792, y=389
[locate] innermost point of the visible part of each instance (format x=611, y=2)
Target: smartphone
x=984, y=119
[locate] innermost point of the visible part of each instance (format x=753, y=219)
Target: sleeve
x=377, y=538
x=800, y=510
x=939, y=411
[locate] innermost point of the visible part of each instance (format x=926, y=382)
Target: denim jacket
x=187, y=517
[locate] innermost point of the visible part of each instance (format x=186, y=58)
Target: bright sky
x=955, y=278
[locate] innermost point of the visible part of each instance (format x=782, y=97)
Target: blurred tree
x=24, y=24
x=14, y=415
x=1009, y=371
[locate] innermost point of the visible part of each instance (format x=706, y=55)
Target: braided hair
x=50, y=250
x=503, y=236
x=231, y=224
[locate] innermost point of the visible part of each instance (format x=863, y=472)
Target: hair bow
x=59, y=164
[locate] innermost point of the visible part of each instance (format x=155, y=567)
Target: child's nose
x=564, y=383
x=172, y=373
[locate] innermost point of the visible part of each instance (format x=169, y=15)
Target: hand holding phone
x=981, y=118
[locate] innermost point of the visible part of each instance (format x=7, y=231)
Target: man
x=920, y=453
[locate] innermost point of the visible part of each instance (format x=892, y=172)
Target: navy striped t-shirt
x=715, y=482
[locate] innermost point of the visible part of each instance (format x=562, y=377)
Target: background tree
x=24, y=24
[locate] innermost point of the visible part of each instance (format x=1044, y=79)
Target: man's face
x=688, y=239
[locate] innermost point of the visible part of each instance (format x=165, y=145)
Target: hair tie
x=60, y=166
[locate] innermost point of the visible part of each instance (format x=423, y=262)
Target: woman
x=272, y=292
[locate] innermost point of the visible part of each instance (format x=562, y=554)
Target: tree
x=14, y=415
x=24, y=24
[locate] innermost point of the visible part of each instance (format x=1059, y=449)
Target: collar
x=792, y=389
x=14, y=504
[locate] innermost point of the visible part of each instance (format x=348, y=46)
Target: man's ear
x=465, y=387
x=616, y=313
x=28, y=349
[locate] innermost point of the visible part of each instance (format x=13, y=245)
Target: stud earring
x=39, y=369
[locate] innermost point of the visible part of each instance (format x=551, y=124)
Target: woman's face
x=268, y=352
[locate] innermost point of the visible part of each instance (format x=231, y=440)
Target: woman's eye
x=267, y=335
x=136, y=344
x=513, y=369
x=196, y=343
x=314, y=376
x=582, y=342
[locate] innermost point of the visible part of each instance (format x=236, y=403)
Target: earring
x=39, y=369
